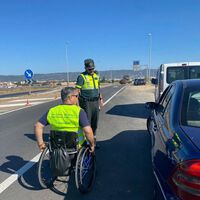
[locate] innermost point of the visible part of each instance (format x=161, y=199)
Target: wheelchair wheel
x=45, y=175
x=85, y=170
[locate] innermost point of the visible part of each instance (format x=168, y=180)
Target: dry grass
x=20, y=89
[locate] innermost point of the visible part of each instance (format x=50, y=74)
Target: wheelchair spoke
x=84, y=167
x=85, y=171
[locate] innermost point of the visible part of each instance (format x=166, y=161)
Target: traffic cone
x=27, y=103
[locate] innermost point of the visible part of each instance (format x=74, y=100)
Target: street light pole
x=111, y=75
x=67, y=63
x=150, y=43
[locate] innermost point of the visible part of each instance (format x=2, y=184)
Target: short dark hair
x=65, y=92
x=89, y=63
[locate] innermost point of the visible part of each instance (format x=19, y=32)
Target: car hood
x=193, y=133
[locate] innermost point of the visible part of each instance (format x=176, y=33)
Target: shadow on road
x=12, y=164
x=130, y=110
x=28, y=179
x=123, y=169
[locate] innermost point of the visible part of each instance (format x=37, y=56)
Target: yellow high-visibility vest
x=65, y=118
x=90, y=82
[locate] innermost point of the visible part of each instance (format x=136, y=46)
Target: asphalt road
x=123, y=161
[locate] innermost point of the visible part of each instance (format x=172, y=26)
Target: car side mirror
x=151, y=105
x=160, y=108
x=154, y=81
x=154, y=106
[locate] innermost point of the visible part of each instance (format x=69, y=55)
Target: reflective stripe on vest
x=66, y=118
x=90, y=82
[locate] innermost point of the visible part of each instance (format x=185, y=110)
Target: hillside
x=114, y=74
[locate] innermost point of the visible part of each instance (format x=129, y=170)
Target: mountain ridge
x=62, y=76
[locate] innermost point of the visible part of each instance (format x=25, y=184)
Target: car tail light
x=186, y=180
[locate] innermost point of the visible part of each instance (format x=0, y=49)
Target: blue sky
x=36, y=33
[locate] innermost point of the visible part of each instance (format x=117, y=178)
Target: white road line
x=26, y=107
x=113, y=95
x=38, y=99
x=11, y=179
x=19, y=104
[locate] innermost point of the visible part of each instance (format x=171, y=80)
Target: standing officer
x=90, y=98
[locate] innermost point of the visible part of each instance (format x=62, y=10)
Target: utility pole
x=150, y=44
x=111, y=75
x=67, y=63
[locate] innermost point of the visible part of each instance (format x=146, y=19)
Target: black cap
x=89, y=63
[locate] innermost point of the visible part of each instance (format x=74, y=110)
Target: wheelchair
x=83, y=163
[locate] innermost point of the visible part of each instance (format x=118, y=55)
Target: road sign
x=29, y=81
x=136, y=62
x=28, y=74
x=136, y=65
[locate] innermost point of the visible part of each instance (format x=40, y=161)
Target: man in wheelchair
x=70, y=131
x=67, y=117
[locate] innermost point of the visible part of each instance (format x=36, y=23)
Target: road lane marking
x=11, y=179
x=113, y=95
x=19, y=104
x=36, y=99
x=28, y=106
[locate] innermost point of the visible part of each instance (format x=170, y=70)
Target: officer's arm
x=39, y=135
x=79, y=82
x=89, y=136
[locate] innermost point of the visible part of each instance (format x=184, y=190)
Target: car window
x=165, y=106
x=162, y=98
x=165, y=96
x=167, y=99
x=191, y=108
x=194, y=72
x=167, y=110
x=175, y=73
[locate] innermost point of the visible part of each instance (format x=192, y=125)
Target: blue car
x=174, y=126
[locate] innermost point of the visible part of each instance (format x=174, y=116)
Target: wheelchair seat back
x=64, y=139
x=62, y=151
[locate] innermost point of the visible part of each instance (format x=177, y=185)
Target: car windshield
x=190, y=115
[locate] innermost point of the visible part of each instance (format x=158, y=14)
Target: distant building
x=7, y=85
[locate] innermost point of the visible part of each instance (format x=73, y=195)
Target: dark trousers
x=92, y=110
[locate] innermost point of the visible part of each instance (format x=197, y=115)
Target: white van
x=170, y=72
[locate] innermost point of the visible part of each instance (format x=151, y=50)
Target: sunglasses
x=75, y=95
x=91, y=69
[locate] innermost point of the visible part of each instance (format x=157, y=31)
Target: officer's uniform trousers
x=91, y=107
